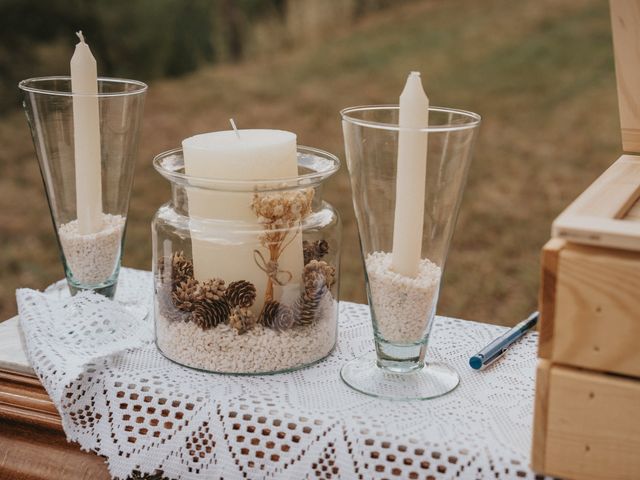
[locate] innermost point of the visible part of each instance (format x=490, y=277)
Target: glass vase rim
x=275, y=184
x=25, y=87
x=473, y=118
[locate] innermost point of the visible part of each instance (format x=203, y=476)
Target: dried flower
x=242, y=319
x=279, y=213
x=283, y=209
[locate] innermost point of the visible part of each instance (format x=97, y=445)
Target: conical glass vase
x=407, y=185
x=86, y=146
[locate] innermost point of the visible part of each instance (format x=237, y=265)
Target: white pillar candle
x=238, y=155
x=86, y=139
x=411, y=177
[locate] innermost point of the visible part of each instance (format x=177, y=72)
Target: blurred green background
x=540, y=72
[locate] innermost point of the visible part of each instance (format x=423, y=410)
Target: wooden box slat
x=590, y=307
x=607, y=213
x=586, y=424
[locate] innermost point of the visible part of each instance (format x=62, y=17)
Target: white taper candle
x=86, y=138
x=411, y=177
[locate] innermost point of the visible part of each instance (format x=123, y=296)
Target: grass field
x=539, y=72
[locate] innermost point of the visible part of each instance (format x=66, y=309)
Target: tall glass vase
x=86, y=147
x=403, y=305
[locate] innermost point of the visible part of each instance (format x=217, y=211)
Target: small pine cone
x=185, y=295
x=241, y=294
x=306, y=308
x=210, y=313
x=181, y=268
x=212, y=289
x=314, y=250
x=242, y=319
x=166, y=307
x=277, y=316
x=318, y=276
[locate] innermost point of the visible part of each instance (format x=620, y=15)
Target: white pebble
x=92, y=258
x=260, y=350
x=403, y=305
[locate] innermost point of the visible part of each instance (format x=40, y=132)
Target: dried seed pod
x=212, y=289
x=185, y=295
x=241, y=294
x=210, y=313
x=318, y=276
x=284, y=208
x=166, y=307
x=242, y=319
x=314, y=250
x=181, y=268
x=277, y=316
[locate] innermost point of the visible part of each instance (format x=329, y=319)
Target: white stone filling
x=92, y=257
x=403, y=306
x=260, y=350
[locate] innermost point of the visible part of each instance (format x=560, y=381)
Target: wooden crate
x=587, y=406
x=586, y=424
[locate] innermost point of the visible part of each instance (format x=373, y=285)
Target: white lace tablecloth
x=119, y=397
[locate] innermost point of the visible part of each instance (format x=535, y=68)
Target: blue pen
x=498, y=347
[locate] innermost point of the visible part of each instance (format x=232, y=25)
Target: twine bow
x=272, y=269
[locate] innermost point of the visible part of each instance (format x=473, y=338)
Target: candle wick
x=80, y=36
x=235, y=129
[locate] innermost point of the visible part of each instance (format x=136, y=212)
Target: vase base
x=430, y=381
x=107, y=289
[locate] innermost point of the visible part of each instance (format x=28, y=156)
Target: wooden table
x=32, y=442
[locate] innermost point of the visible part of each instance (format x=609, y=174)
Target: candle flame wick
x=80, y=36
x=235, y=129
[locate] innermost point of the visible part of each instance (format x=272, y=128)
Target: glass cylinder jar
x=246, y=273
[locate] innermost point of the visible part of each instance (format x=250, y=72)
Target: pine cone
x=212, y=289
x=242, y=319
x=210, y=313
x=166, y=306
x=181, y=268
x=318, y=277
x=241, y=294
x=314, y=250
x=277, y=316
x=306, y=308
x=185, y=295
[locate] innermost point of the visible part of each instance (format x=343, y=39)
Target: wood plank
x=597, y=300
x=540, y=409
x=593, y=426
x=625, y=24
x=39, y=454
x=547, y=297
x=634, y=212
x=612, y=193
x=599, y=216
x=23, y=399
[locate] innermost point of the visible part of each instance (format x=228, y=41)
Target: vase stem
x=400, y=358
